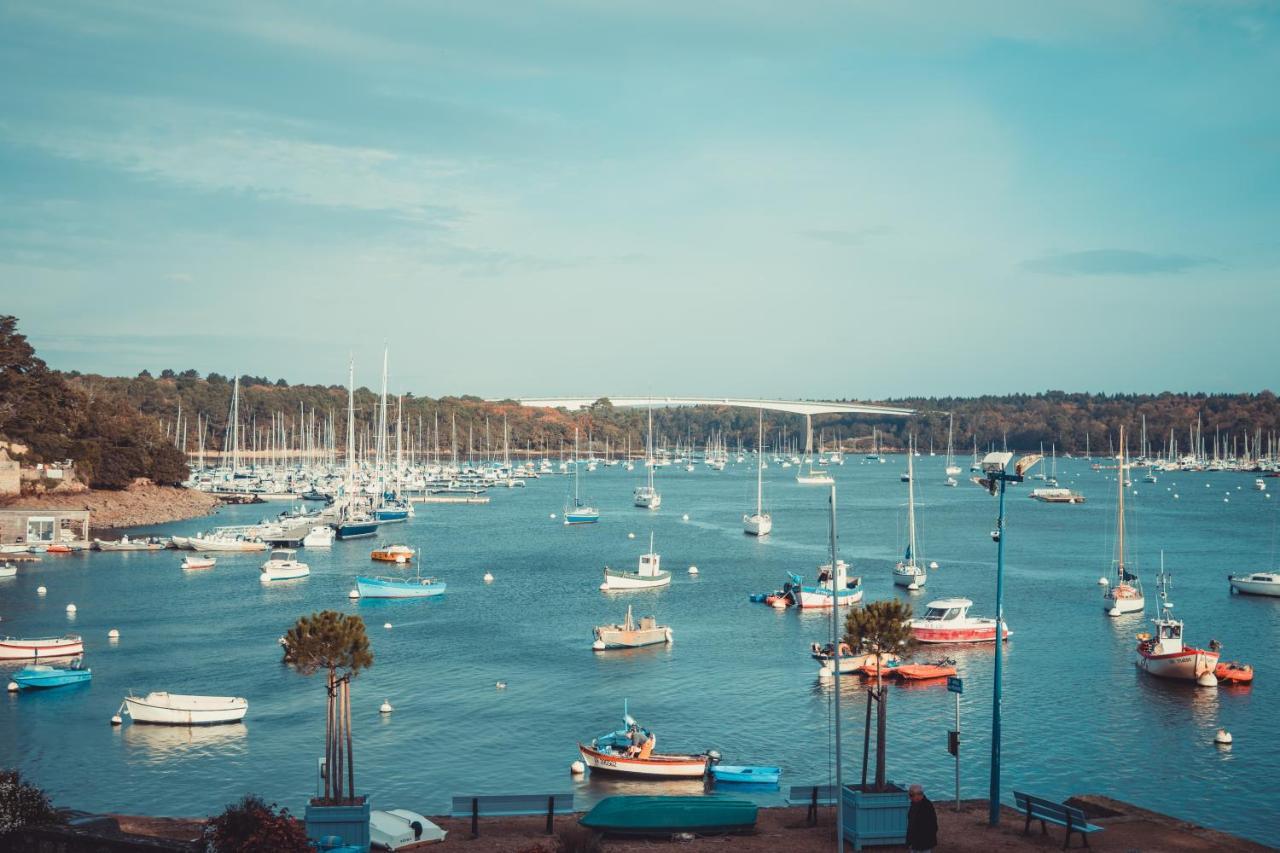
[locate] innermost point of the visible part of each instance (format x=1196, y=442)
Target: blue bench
x=1061, y=814
x=812, y=796
x=512, y=805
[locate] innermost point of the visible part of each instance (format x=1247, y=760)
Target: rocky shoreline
x=141, y=504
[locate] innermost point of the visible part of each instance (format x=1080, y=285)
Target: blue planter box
x=349, y=822
x=874, y=818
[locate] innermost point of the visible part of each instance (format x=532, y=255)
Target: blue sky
x=849, y=199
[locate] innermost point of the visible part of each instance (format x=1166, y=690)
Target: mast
x=648, y=450
x=760, y=466
x=1120, y=512
x=577, y=501
x=911, y=504
x=351, y=426
x=381, y=447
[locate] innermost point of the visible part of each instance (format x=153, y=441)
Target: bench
x=511, y=806
x=1047, y=811
x=812, y=796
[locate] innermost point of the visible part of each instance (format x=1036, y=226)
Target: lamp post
x=995, y=478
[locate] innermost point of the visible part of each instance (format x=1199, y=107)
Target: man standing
x=922, y=822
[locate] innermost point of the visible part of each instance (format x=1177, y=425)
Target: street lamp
x=996, y=475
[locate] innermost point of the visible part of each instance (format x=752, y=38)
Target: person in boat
x=637, y=737
x=649, y=745
x=1215, y=646
x=922, y=822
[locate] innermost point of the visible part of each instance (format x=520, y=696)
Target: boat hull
x=1252, y=587
x=980, y=633
x=164, y=709
x=616, y=638
x=357, y=529
x=654, y=767
x=743, y=775
x=269, y=575
x=810, y=598
x=911, y=577
x=757, y=525
x=1117, y=602
x=384, y=588
x=42, y=679
x=1189, y=664
x=581, y=517
x=14, y=648
x=615, y=579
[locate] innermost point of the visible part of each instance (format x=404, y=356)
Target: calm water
x=1078, y=717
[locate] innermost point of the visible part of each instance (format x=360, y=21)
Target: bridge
x=799, y=407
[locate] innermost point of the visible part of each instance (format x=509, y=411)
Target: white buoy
x=934, y=564
x=116, y=720
x=1207, y=679
x=684, y=517
x=385, y=707
x=1175, y=496
x=577, y=768
x=1222, y=738
x=631, y=536
x=1103, y=582
x=488, y=577
x=13, y=687
x=71, y=608
x=693, y=570
x=500, y=685
x=355, y=593
x=1226, y=500
x=386, y=625
x=597, y=646
x=113, y=634
x=41, y=590
x=553, y=515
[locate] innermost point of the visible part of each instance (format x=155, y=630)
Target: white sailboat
x=952, y=468
x=811, y=476
x=908, y=572
x=1124, y=595
x=760, y=522
x=579, y=512
x=646, y=496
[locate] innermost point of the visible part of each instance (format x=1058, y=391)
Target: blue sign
x=955, y=684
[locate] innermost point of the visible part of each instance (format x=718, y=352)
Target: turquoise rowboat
x=402, y=587
x=745, y=775
x=667, y=815
x=35, y=676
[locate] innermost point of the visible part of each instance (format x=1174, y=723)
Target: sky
x=827, y=199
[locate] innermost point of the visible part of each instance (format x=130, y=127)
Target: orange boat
x=924, y=671
x=58, y=548
x=1234, y=672
x=392, y=554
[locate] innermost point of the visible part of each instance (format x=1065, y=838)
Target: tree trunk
x=883, y=698
x=328, y=738
x=866, y=741
x=351, y=759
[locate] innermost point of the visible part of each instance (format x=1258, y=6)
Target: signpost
x=956, y=686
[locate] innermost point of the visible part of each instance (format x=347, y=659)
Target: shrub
x=23, y=804
x=577, y=839
x=252, y=826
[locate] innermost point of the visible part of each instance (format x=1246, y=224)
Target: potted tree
x=338, y=645
x=877, y=813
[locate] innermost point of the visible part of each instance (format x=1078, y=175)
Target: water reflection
x=161, y=743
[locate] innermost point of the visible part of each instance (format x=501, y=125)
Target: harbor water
x=1077, y=715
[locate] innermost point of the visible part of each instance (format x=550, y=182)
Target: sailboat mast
x=911, y=503
x=1120, y=511
x=760, y=466
x=576, y=500
x=351, y=426
x=381, y=447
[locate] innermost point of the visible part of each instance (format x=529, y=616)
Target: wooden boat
x=176, y=709
x=647, y=575
x=630, y=751
x=832, y=588
x=204, y=561
x=15, y=648
x=947, y=620
x=668, y=815
x=1233, y=672
x=40, y=676
x=745, y=775
x=1166, y=656
x=415, y=586
x=392, y=554
x=925, y=671
x=850, y=663
x=631, y=635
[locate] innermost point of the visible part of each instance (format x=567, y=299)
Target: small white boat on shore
x=283, y=565
x=395, y=829
x=226, y=543
x=1258, y=583
x=177, y=709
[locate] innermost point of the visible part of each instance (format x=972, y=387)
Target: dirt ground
x=1130, y=829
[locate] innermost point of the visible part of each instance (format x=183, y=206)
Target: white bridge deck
x=799, y=407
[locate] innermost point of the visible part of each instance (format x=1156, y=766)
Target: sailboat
x=908, y=572
x=1125, y=594
x=952, y=468
x=760, y=522
x=648, y=574
x=579, y=512
x=811, y=477
x=354, y=522
x=875, y=446
x=647, y=496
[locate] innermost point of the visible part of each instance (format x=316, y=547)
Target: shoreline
x=140, y=505
x=1125, y=827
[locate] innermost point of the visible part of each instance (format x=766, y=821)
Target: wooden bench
x=812, y=796
x=1047, y=811
x=511, y=806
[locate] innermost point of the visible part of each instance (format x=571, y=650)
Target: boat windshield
x=942, y=613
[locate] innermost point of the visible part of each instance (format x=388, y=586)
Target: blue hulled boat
x=35, y=676
x=393, y=511
x=399, y=587
x=357, y=528
x=746, y=775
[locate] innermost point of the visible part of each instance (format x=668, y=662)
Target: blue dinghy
x=399, y=587
x=35, y=676
x=747, y=775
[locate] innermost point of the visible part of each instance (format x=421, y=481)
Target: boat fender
x=416, y=826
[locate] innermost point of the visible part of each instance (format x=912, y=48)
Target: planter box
x=349, y=822
x=874, y=818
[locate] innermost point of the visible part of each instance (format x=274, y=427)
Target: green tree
x=881, y=628
x=337, y=644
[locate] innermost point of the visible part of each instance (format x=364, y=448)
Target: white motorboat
x=908, y=572
x=283, y=565
x=393, y=829
x=176, y=709
x=947, y=620
x=38, y=648
x=1124, y=595
x=204, y=561
x=648, y=574
x=320, y=536
x=1258, y=583
x=226, y=543
x=758, y=523
x=1166, y=656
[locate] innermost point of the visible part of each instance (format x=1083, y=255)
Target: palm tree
x=337, y=644
x=881, y=628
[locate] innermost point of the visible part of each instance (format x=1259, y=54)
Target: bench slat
x=492, y=805
x=800, y=795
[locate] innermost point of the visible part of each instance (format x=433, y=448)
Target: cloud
x=838, y=237
x=1116, y=262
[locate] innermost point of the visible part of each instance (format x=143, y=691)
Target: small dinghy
x=176, y=709
x=17, y=648
x=669, y=815
x=395, y=829
x=1234, y=672
x=204, y=561
x=745, y=775
x=39, y=676
x=923, y=671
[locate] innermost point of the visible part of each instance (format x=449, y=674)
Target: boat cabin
x=283, y=554
x=650, y=564
x=947, y=609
